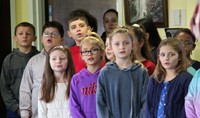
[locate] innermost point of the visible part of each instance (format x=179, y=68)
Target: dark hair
x=75, y=15
x=110, y=10
x=49, y=83
x=149, y=26
x=25, y=24
x=187, y=31
x=139, y=32
x=56, y=25
x=92, y=21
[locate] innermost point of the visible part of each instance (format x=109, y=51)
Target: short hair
x=75, y=15
x=110, y=10
x=24, y=24
x=56, y=25
x=92, y=21
x=187, y=31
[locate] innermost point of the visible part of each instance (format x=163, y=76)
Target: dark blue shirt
x=174, y=100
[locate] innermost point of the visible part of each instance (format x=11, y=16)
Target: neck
x=25, y=50
x=93, y=68
x=123, y=63
x=60, y=77
x=170, y=74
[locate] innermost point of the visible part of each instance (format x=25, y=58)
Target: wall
x=24, y=13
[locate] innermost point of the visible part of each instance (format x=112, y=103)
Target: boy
x=52, y=36
x=77, y=29
x=14, y=64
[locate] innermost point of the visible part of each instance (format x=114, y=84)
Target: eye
x=82, y=25
x=73, y=27
x=126, y=43
x=53, y=58
x=161, y=54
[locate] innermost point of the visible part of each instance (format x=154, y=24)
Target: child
x=168, y=85
x=110, y=22
x=84, y=83
x=188, y=39
x=108, y=50
x=53, y=97
x=192, y=99
x=52, y=35
x=14, y=64
x=77, y=29
x=122, y=84
x=141, y=48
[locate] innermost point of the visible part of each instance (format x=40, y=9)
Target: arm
x=191, y=95
x=42, y=108
x=7, y=93
x=75, y=107
x=101, y=105
x=144, y=95
x=26, y=92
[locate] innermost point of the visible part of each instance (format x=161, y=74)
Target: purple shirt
x=83, y=94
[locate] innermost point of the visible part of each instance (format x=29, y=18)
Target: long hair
x=160, y=72
x=49, y=82
x=139, y=32
x=125, y=30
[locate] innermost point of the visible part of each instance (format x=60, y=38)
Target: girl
x=168, y=85
x=122, y=84
x=84, y=83
x=53, y=98
x=142, y=49
x=109, y=53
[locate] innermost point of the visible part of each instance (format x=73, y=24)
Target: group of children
x=62, y=82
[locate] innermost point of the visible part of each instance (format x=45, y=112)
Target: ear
x=69, y=33
x=147, y=36
x=89, y=28
x=15, y=38
x=34, y=39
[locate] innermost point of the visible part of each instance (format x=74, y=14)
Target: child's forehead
x=24, y=28
x=51, y=29
x=77, y=21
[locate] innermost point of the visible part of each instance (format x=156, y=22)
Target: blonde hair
x=94, y=38
x=125, y=30
x=182, y=65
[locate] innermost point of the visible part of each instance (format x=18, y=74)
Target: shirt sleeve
x=75, y=107
x=101, y=105
x=26, y=91
x=5, y=82
x=191, y=95
x=144, y=95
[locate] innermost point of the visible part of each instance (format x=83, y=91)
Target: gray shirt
x=30, y=83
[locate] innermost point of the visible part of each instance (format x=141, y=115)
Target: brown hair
x=182, y=65
x=49, y=83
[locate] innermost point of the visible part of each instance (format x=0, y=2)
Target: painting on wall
x=157, y=10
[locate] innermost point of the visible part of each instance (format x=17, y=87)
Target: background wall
x=25, y=11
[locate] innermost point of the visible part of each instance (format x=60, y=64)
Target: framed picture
x=157, y=10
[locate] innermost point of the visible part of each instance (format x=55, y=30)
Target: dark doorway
x=5, y=37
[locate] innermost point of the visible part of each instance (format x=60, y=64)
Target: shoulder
x=76, y=77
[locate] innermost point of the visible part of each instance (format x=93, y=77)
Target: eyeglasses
x=92, y=52
x=187, y=43
x=53, y=34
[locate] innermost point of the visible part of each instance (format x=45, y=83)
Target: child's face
x=78, y=30
x=110, y=22
x=168, y=57
x=187, y=41
x=50, y=38
x=121, y=45
x=24, y=36
x=91, y=53
x=109, y=53
x=58, y=61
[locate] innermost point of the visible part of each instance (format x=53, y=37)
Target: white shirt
x=58, y=108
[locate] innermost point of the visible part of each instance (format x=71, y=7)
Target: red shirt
x=149, y=65
x=79, y=64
